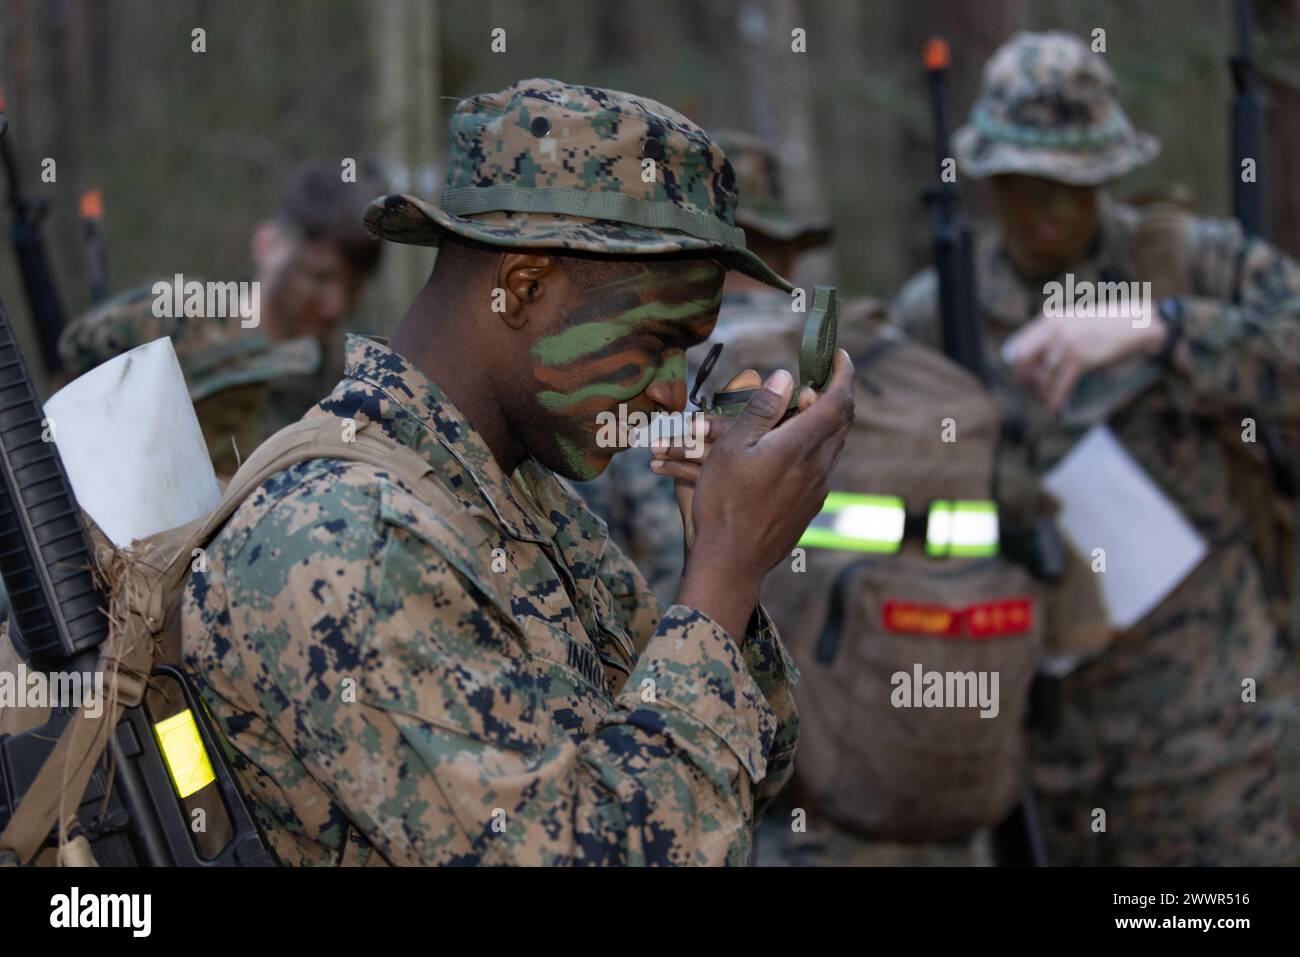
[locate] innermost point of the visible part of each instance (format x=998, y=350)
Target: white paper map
x=132, y=445
x=1109, y=502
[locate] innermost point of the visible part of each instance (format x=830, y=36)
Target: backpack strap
x=315, y=437
x=127, y=657
x=72, y=761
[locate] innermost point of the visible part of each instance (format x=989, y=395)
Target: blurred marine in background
x=312, y=259
x=1157, y=755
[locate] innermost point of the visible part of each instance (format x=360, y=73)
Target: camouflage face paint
x=582, y=340
x=609, y=349
x=562, y=401
x=580, y=469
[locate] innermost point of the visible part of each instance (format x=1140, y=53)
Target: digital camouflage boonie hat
x=215, y=353
x=549, y=165
x=1048, y=108
x=762, y=206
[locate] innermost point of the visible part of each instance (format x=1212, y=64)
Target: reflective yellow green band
x=859, y=523
x=962, y=528
x=182, y=750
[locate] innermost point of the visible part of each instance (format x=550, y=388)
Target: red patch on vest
x=911, y=618
x=1013, y=616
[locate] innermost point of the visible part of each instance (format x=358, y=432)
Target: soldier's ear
x=524, y=279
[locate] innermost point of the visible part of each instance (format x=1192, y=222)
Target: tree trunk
x=408, y=130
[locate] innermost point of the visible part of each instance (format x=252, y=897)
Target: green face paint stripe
x=575, y=459
x=609, y=390
x=707, y=271
x=674, y=370
x=689, y=309
x=577, y=342
x=582, y=340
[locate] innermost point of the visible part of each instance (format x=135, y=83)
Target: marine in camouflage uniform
x=491, y=681
x=638, y=506
x=1153, y=730
x=233, y=373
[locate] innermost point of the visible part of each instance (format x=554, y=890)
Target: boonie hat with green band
x=1048, y=108
x=549, y=165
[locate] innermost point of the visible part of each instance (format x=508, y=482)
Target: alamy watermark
x=213, y=300
x=946, y=689
x=130, y=911
x=635, y=430
x=26, y=688
x=1114, y=300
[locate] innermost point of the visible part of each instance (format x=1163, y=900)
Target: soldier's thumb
x=764, y=408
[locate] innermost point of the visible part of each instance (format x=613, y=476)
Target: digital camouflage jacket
x=490, y=684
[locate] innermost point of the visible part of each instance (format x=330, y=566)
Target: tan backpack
x=145, y=588
x=860, y=625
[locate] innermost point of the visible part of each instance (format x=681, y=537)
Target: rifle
x=1250, y=203
x=130, y=810
x=954, y=243
x=92, y=215
x=33, y=263
x=1017, y=841
x=1251, y=208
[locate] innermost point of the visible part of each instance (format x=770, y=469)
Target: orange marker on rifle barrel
x=92, y=213
x=92, y=204
x=936, y=55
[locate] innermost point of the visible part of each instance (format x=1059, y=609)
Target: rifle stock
x=1250, y=200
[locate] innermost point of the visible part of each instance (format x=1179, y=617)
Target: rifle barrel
x=953, y=241
x=1250, y=203
x=33, y=264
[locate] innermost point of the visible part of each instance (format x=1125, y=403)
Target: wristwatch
x=1171, y=311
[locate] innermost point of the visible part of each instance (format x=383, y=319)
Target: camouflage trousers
x=822, y=844
x=1235, y=816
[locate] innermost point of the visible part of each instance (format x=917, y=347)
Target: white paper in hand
x=1109, y=502
x=132, y=446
